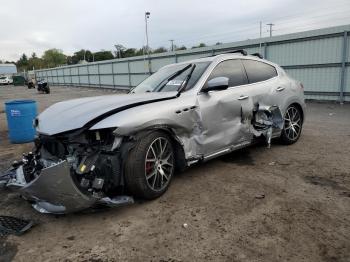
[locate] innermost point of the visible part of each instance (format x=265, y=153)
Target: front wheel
x=293, y=122
x=149, y=167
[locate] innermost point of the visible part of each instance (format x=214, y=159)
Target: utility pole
x=147, y=14
x=172, y=44
x=260, y=37
x=270, y=25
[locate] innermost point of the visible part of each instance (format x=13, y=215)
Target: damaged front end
x=71, y=172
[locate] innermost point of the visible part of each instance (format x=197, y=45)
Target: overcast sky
x=71, y=25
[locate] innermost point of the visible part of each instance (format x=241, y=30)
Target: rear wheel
x=293, y=123
x=150, y=166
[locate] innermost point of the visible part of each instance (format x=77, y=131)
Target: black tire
x=293, y=123
x=137, y=167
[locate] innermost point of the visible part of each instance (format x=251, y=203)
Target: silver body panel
x=73, y=114
x=210, y=122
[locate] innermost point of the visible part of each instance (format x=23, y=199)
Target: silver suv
x=104, y=150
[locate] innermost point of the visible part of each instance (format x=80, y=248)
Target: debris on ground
x=185, y=225
x=272, y=163
x=13, y=225
x=260, y=196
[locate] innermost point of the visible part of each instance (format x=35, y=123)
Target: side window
x=258, y=71
x=233, y=70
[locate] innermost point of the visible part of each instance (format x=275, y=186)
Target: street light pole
x=172, y=44
x=260, y=37
x=147, y=14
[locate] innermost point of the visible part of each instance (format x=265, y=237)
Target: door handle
x=279, y=89
x=242, y=97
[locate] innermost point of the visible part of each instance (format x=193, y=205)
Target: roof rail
x=258, y=55
x=241, y=51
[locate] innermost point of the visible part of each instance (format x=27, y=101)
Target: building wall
x=8, y=69
x=318, y=58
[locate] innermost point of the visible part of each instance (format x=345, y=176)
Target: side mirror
x=217, y=83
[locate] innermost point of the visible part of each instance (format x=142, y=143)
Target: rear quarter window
x=258, y=71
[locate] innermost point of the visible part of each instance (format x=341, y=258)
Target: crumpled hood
x=76, y=113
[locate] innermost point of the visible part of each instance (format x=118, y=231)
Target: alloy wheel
x=292, y=123
x=159, y=164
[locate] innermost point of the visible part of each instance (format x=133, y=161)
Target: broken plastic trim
x=266, y=119
x=13, y=225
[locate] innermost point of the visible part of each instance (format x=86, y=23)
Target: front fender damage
x=67, y=185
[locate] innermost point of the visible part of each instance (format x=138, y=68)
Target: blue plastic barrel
x=20, y=115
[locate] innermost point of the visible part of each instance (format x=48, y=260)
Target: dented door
x=225, y=117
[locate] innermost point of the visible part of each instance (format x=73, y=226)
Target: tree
x=218, y=43
x=181, y=48
x=103, y=55
x=120, y=50
x=200, y=45
x=35, y=62
x=129, y=52
x=54, y=57
x=79, y=56
x=159, y=50
x=22, y=63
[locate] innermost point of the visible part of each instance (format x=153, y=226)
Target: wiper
x=177, y=73
x=185, y=82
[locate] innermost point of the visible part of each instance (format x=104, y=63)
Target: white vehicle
x=5, y=80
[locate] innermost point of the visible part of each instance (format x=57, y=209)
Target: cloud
x=37, y=25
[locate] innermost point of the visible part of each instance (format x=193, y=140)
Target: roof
x=8, y=69
x=214, y=57
x=8, y=65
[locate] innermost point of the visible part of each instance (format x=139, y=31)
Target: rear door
x=266, y=89
x=263, y=81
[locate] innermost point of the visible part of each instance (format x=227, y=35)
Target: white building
x=8, y=69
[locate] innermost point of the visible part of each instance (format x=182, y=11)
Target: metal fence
x=318, y=58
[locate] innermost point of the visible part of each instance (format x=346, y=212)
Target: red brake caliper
x=148, y=167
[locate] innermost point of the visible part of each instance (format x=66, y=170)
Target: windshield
x=3, y=77
x=158, y=82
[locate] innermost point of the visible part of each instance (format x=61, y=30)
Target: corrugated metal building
x=319, y=58
x=8, y=69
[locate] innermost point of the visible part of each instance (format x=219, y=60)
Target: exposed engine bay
x=71, y=172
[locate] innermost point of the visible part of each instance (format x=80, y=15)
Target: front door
x=226, y=114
